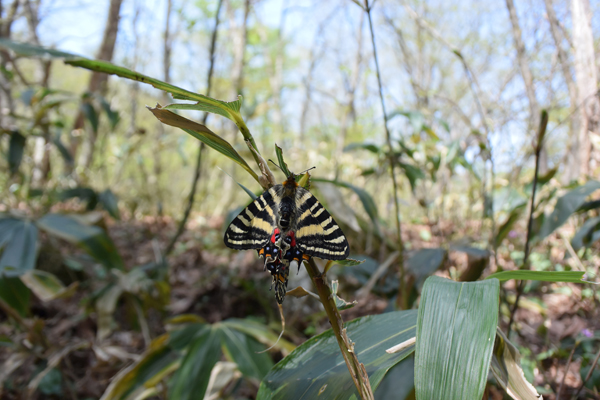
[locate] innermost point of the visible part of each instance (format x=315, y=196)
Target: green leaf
x=90, y=114
x=260, y=332
x=18, y=239
x=62, y=149
x=91, y=238
x=340, y=303
x=156, y=363
x=45, y=285
x=248, y=191
x=181, y=338
x=113, y=116
x=412, y=173
x=455, y=331
x=227, y=109
x=565, y=206
x=16, y=294
x=425, y=262
x=203, y=134
x=317, y=370
x=373, y=148
x=16, y=147
x=506, y=227
x=246, y=352
x=281, y=162
x=586, y=235
x=191, y=379
x=110, y=203
x=364, y=196
x=348, y=262
x=541, y=181
x=399, y=382
x=506, y=368
x=547, y=276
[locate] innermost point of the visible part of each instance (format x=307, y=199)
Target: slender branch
x=589, y=374
x=357, y=369
x=402, y=296
x=560, y=388
x=538, y=150
x=201, y=146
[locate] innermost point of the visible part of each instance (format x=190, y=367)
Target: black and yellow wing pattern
x=253, y=227
x=317, y=234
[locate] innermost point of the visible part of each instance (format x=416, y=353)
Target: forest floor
x=216, y=283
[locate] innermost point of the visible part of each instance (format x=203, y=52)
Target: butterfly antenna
x=277, y=165
x=307, y=170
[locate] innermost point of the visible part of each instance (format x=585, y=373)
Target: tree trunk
x=348, y=106
x=563, y=60
x=534, y=107
x=98, y=80
x=586, y=77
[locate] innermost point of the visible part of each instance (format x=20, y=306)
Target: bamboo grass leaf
x=455, y=337
x=547, y=276
x=316, y=369
x=202, y=133
x=282, y=163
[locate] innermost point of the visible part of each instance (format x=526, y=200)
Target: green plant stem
x=589, y=374
x=201, y=146
x=357, y=369
x=538, y=150
x=402, y=302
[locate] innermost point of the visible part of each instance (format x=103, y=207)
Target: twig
x=560, y=388
x=538, y=150
x=402, y=296
x=572, y=252
x=357, y=369
x=201, y=146
x=589, y=374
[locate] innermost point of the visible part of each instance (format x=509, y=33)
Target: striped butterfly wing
x=317, y=233
x=253, y=227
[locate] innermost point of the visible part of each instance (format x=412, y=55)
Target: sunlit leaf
x=46, y=286
x=203, y=134
x=91, y=238
x=565, y=207
x=317, y=370
x=455, y=331
x=227, y=109
x=506, y=368
x=547, y=276
x=157, y=362
x=191, y=379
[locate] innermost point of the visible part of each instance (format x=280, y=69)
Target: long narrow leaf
x=548, y=276
x=20, y=247
x=246, y=352
x=203, y=134
x=455, y=338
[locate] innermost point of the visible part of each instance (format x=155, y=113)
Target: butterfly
x=286, y=225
